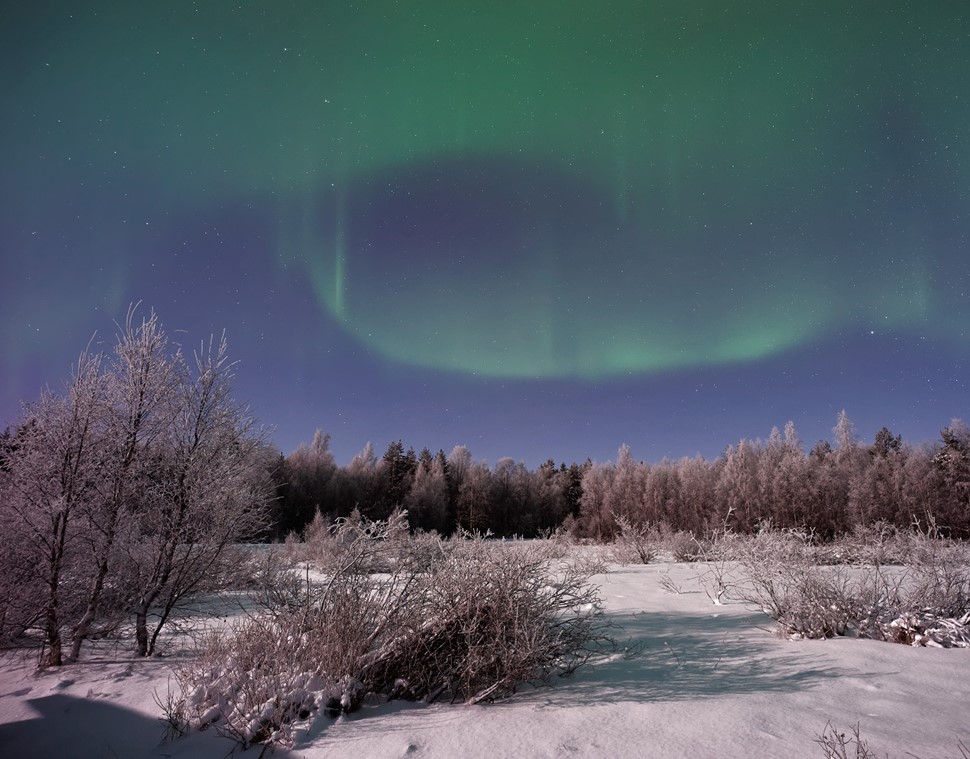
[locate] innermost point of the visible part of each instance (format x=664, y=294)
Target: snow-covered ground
x=706, y=681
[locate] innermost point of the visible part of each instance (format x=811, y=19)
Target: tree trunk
x=145, y=643
x=83, y=627
x=52, y=626
x=158, y=628
x=52, y=658
x=144, y=646
x=141, y=630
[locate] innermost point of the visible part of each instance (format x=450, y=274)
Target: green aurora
x=553, y=189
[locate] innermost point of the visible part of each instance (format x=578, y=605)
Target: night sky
x=538, y=229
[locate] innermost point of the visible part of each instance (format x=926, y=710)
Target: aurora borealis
x=538, y=229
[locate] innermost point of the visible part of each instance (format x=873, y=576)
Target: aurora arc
x=513, y=275
x=588, y=194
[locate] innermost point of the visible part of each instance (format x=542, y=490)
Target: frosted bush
x=635, y=543
x=473, y=625
x=684, y=547
x=782, y=577
x=924, y=602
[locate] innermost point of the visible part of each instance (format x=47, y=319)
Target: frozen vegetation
x=364, y=640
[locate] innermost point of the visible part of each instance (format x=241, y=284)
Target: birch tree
x=204, y=493
x=138, y=402
x=51, y=478
x=125, y=493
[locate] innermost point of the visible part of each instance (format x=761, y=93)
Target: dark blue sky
x=538, y=231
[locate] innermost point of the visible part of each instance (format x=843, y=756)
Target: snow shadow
x=97, y=728
x=675, y=657
x=80, y=727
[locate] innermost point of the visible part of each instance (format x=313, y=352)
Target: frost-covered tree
x=458, y=461
x=206, y=491
x=698, y=488
x=142, y=382
x=124, y=492
x=595, y=517
x=738, y=487
x=789, y=489
x=8, y=446
x=473, y=504
x=953, y=463
x=52, y=478
x=846, y=440
x=120, y=405
x=612, y=490
x=363, y=463
x=827, y=494
x=308, y=472
x=427, y=501
x=769, y=459
x=629, y=483
x=872, y=491
x=355, y=486
x=922, y=489
x=662, y=498
x=875, y=482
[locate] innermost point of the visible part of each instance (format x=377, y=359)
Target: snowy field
x=707, y=681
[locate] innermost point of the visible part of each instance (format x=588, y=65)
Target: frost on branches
x=472, y=624
x=123, y=495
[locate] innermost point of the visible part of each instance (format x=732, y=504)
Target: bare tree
x=307, y=480
x=125, y=492
x=203, y=494
x=473, y=498
x=737, y=485
x=51, y=478
x=140, y=388
x=427, y=501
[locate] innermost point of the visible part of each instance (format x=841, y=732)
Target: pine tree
x=886, y=444
x=953, y=463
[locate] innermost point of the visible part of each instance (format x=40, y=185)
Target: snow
x=698, y=680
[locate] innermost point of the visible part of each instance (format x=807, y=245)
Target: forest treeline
x=828, y=489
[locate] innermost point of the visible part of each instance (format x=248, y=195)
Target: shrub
x=495, y=620
x=684, y=547
x=804, y=602
x=635, y=543
x=924, y=602
x=836, y=745
x=939, y=576
x=474, y=625
x=781, y=577
x=840, y=745
x=557, y=542
x=874, y=544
